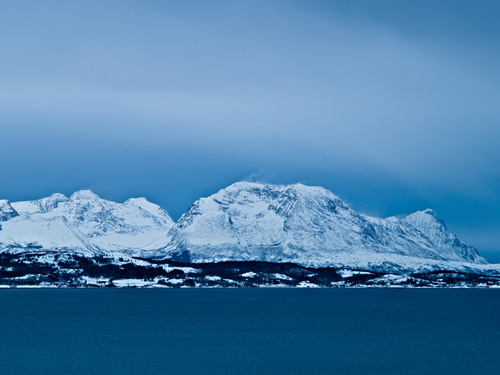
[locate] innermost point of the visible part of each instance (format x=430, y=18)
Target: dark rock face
x=6, y=211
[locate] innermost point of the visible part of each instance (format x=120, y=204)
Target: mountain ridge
x=86, y=224
x=246, y=221
x=297, y=223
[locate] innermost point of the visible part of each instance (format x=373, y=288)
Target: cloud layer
x=393, y=107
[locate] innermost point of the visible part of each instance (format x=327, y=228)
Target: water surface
x=249, y=331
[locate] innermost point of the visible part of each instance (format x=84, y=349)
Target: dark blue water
x=249, y=331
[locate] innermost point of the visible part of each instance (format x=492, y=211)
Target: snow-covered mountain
x=84, y=223
x=309, y=226
x=298, y=224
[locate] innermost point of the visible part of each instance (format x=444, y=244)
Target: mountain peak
x=429, y=211
x=425, y=219
x=313, y=190
x=137, y=201
x=276, y=197
x=57, y=196
x=51, y=202
x=245, y=185
x=84, y=195
x=4, y=203
x=446, y=243
x=6, y=210
x=142, y=203
x=298, y=187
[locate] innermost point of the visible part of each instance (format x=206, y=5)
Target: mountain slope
x=445, y=242
x=308, y=226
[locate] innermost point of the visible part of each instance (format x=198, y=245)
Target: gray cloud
x=311, y=93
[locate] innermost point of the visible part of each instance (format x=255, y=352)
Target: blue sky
x=392, y=105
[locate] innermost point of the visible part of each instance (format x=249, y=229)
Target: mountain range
x=304, y=225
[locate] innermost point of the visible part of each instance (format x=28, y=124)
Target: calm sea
x=249, y=331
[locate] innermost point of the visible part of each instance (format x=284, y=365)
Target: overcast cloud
x=393, y=107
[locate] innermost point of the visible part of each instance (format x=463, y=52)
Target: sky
x=392, y=105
